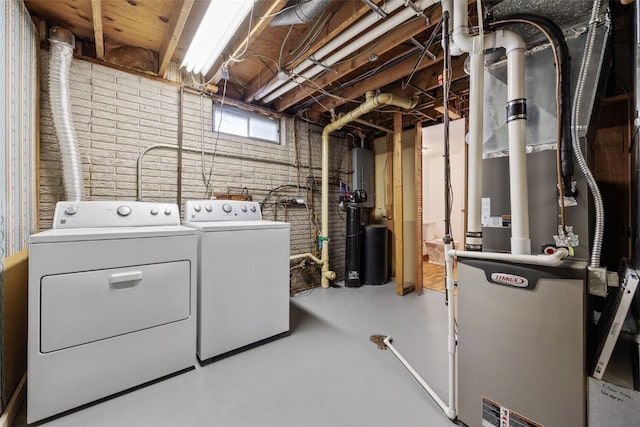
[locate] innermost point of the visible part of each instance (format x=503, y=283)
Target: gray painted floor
x=326, y=373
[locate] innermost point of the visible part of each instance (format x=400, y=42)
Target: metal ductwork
x=302, y=13
x=62, y=45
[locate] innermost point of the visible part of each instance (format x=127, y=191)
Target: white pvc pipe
x=452, y=411
x=550, y=260
x=306, y=255
x=361, y=35
x=425, y=386
x=520, y=241
x=476, y=99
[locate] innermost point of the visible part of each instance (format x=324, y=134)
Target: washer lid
x=108, y=233
x=237, y=225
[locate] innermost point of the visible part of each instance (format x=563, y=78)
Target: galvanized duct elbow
x=301, y=13
x=62, y=44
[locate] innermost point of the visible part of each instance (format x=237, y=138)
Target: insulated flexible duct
x=62, y=43
x=301, y=13
x=596, y=247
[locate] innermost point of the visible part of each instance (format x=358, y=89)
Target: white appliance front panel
x=243, y=288
x=79, y=308
x=65, y=379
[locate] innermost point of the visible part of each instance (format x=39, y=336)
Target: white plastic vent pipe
x=372, y=102
x=516, y=115
x=364, y=35
x=62, y=45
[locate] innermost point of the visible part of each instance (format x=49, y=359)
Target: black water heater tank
x=374, y=267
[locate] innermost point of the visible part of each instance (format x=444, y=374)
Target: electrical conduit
x=62, y=45
x=372, y=102
x=575, y=139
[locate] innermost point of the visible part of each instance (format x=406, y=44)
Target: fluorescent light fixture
x=220, y=22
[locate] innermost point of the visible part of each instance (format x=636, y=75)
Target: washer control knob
x=243, y=208
x=197, y=208
x=71, y=210
x=124, y=210
x=226, y=207
x=208, y=208
x=167, y=211
x=154, y=211
x=253, y=208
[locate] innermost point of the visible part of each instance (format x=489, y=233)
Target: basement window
x=247, y=124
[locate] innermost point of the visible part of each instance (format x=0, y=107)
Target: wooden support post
x=418, y=248
x=397, y=202
x=98, y=35
x=388, y=206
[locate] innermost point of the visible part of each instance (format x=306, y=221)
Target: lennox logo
x=510, y=279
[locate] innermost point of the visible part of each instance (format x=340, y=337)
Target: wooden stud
x=98, y=34
x=179, y=15
x=398, y=214
x=388, y=206
x=418, y=168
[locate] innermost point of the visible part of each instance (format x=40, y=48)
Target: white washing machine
x=111, y=302
x=243, y=276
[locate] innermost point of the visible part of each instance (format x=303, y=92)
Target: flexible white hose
x=596, y=247
x=60, y=102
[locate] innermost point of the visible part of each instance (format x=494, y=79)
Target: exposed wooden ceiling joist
x=179, y=15
x=393, y=39
x=348, y=13
x=96, y=13
x=376, y=81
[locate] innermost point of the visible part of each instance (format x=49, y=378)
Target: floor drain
x=379, y=341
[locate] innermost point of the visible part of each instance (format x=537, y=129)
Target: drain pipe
x=62, y=45
x=372, y=102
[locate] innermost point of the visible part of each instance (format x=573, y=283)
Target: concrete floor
x=326, y=373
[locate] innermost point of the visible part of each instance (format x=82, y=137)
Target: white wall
x=433, y=191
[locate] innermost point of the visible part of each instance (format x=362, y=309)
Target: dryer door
x=84, y=307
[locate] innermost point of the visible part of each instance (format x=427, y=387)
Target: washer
x=111, y=302
x=243, y=276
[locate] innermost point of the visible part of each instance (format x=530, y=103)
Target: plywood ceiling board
x=74, y=15
x=141, y=23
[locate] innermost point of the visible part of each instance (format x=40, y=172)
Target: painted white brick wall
x=117, y=115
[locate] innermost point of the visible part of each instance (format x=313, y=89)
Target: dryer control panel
x=222, y=210
x=114, y=213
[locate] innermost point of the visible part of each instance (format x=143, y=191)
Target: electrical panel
x=362, y=177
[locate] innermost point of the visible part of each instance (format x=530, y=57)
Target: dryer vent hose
x=61, y=53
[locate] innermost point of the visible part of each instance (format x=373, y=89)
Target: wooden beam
x=179, y=15
x=98, y=34
x=392, y=39
x=343, y=19
x=397, y=202
x=377, y=81
x=419, y=238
